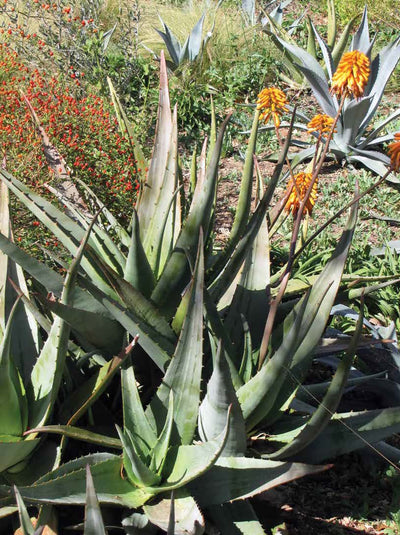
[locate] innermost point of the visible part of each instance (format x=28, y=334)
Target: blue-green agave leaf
x=237, y=518
x=347, y=432
x=183, y=375
x=361, y=40
x=134, y=416
x=24, y=519
x=235, y=478
x=67, y=484
x=94, y=524
x=214, y=408
x=195, y=40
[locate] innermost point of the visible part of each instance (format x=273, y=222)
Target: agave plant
x=355, y=141
x=295, y=77
x=192, y=48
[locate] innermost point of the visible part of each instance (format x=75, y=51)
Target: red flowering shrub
x=81, y=128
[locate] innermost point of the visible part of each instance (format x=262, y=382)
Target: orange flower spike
x=394, y=152
x=321, y=123
x=351, y=75
x=272, y=103
x=298, y=193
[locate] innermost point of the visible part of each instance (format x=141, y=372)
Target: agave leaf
x=321, y=417
x=373, y=160
x=303, y=329
x=244, y=201
x=315, y=75
x=147, y=201
x=332, y=29
x=163, y=228
x=326, y=53
x=320, y=88
x=214, y=408
x=235, y=478
x=157, y=346
x=136, y=470
x=62, y=226
x=183, y=375
x=347, y=432
x=171, y=42
x=78, y=433
x=176, y=273
x=93, y=520
x=13, y=403
x=67, y=484
x=25, y=346
x=134, y=416
x=372, y=136
x=195, y=39
x=187, y=463
x=225, y=269
x=348, y=128
x=138, y=271
x=236, y=518
x=188, y=519
x=47, y=372
x=160, y=450
x=12, y=453
x=361, y=40
x=97, y=329
x=52, y=281
x=24, y=519
x=383, y=65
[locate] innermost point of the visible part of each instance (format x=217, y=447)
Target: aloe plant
x=355, y=141
x=158, y=288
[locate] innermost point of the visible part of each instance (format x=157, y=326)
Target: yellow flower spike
x=272, y=103
x=351, y=75
x=394, y=152
x=321, y=123
x=297, y=194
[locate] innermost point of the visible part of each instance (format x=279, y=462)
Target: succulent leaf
x=93, y=520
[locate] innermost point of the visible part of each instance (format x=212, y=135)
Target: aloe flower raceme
x=351, y=75
x=362, y=80
x=321, y=124
x=272, y=102
x=298, y=193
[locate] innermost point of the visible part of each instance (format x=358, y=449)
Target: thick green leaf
x=320, y=418
x=67, y=484
x=235, y=478
x=93, y=520
x=176, y=274
x=136, y=470
x=24, y=519
x=236, y=518
x=347, y=432
x=183, y=375
x=303, y=327
x=188, y=519
x=98, y=330
x=134, y=416
x=78, y=433
x=160, y=450
x=214, y=408
x=147, y=201
x=137, y=269
x=12, y=453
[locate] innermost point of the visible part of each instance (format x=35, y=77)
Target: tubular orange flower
x=321, y=123
x=272, y=102
x=351, y=75
x=394, y=152
x=297, y=194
